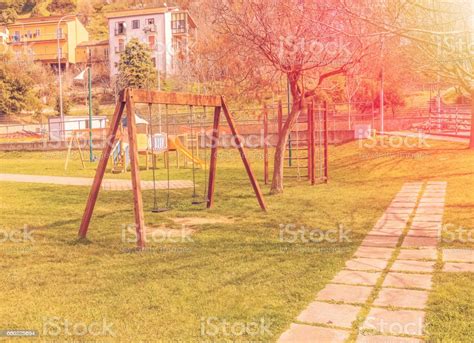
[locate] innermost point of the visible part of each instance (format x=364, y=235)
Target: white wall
x=162, y=39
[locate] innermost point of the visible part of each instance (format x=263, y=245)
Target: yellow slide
x=175, y=144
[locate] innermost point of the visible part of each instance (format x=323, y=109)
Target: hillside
x=91, y=12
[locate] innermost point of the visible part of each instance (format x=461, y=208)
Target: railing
x=119, y=32
x=457, y=124
x=33, y=37
x=18, y=133
x=50, y=56
x=150, y=28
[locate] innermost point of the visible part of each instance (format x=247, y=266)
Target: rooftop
x=50, y=19
x=94, y=43
x=139, y=11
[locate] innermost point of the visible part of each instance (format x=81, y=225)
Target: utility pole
x=89, y=74
x=382, y=95
x=60, y=52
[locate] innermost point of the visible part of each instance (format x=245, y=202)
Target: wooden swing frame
x=127, y=100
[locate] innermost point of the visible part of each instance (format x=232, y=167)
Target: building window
x=150, y=21
x=121, y=46
x=37, y=33
x=120, y=28
x=16, y=36
x=106, y=53
x=178, y=23
x=151, y=42
x=135, y=24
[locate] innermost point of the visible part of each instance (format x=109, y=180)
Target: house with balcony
x=47, y=37
x=93, y=52
x=167, y=32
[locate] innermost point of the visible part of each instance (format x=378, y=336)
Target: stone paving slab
x=107, y=184
x=407, y=194
x=357, y=277
x=412, y=266
x=437, y=218
x=386, y=339
x=431, y=201
x=458, y=267
x=401, y=298
x=399, y=210
x=403, y=280
x=400, y=204
x=386, y=232
x=398, y=322
x=345, y=293
x=431, y=205
x=418, y=254
x=374, y=252
x=380, y=241
x=331, y=314
x=458, y=255
x=434, y=194
x=420, y=242
x=401, y=224
x=424, y=233
x=430, y=210
x=395, y=217
x=298, y=333
x=405, y=199
x=366, y=264
x=426, y=226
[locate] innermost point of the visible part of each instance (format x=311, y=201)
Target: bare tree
x=305, y=41
x=440, y=35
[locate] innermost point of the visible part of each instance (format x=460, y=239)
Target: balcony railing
x=120, y=31
x=179, y=27
x=33, y=37
x=150, y=28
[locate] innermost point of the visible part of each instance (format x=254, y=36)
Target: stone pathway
x=458, y=260
x=107, y=184
x=385, y=285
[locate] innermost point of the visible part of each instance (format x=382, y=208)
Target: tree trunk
x=279, y=160
x=471, y=144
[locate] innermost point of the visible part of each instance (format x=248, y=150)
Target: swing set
x=127, y=100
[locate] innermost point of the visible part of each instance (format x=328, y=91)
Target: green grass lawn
x=240, y=272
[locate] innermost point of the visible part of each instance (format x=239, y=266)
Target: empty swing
x=154, y=147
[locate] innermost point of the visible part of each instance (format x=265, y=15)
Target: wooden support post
x=311, y=143
x=326, y=152
x=99, y=174
x=240, y=146
x=135, y=169
x=213, y=163
x=265, y=145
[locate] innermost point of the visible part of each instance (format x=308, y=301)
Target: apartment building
x=168, y=33
x=40, y=36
